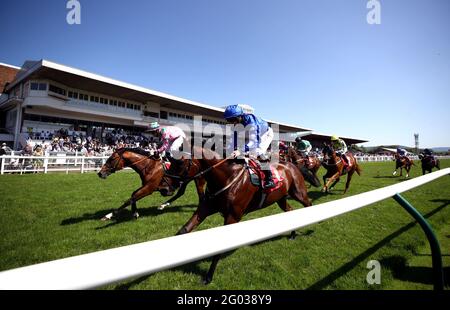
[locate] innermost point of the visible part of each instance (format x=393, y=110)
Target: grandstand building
x=42, y=96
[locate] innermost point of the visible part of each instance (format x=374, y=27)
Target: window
x=34, y=86
x=57, y=90
x=70, y=94
x=92, y=98
x=151, y=114
x=43, y=86
x=163, y=114
x=96, y=99
x=75, y=95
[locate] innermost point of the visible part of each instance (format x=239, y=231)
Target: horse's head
x=327, y=152
x=114, y=163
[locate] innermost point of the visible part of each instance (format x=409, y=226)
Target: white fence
x=110, y=266
x=61, y=162
x=45, y=164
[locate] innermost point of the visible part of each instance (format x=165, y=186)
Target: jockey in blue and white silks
x=260, y=136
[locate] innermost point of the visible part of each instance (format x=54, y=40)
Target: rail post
x=438, y=272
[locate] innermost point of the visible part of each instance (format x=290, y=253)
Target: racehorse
x=308, y=169
x=231, y=192
x=152, y=173
x=402, y=162
x=428, y=163
x=335, y=168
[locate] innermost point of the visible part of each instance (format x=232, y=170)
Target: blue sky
x=315, y=63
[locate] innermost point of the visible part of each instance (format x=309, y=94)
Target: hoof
x=293, y=235
x=108, y=217
x=206, y=280
x=394, y=173
x=161, y=207
x=136, y=215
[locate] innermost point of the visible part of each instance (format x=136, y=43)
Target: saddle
x=257, y=176
x=347, y=163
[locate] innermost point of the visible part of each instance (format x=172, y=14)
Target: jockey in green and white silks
x=303, y=146
x=340, y=147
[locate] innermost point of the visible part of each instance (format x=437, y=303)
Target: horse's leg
x=116, y=212
x=200, y=185
x=284, y=205
x=179, y=193
x=407, y=168
x=141, y=192
x=330, y=181
x=349, y=177
x=199, y=215
x=209, y=276
x=334, y=183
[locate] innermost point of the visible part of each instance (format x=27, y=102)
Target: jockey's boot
x=345, y=160
x=268, y=181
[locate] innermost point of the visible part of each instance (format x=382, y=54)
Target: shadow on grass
x=417, y=274
x=126, y=214
x=321, y=284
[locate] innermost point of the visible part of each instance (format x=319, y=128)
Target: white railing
x=106, y=267
x=45, y=164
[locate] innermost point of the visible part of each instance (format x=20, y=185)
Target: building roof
x=76, y=78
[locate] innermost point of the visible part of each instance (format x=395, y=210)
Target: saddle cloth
x=257, y=176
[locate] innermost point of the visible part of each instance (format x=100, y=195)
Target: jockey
x=304, y=147
x=340, y=148
x=401, y=153
x=429, y=153
x=260, y=136
x=171, y=138
x=283, y=147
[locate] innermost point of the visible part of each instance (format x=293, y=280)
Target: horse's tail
x=310, y=176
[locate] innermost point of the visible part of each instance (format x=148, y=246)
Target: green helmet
x=153, y=126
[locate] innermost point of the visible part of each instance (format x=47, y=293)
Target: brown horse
x=335, y=168
x=151, y=170
x=231, y=192
x=402, y=162
x=307, y=166
x=428, y=163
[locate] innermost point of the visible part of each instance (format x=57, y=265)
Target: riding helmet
x=233, y=111
x=334, y=138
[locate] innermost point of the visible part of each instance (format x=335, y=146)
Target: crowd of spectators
x=64, y=141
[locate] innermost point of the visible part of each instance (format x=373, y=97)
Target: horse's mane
x=136, y=150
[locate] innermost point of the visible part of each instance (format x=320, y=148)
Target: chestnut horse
x=402, y=162
x=335, y=168
x=428, y=163
x=152, y=173
x=231, y=192
x=307, y=168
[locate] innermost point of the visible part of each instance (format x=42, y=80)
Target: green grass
x=46, y=217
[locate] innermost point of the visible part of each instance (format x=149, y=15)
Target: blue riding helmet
x=233, y=111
